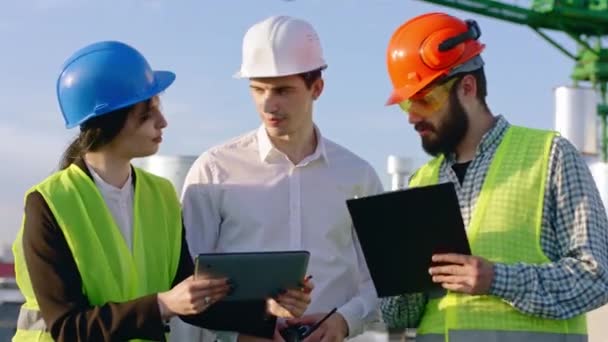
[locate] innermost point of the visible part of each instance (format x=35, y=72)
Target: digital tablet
x=255, y=275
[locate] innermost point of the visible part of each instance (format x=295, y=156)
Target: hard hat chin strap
x=473, y=33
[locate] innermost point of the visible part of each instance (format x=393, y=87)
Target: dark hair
x=310, y=77
x=94, y=134
x=480, y=79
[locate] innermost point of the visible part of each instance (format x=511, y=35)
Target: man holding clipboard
x=533, y=215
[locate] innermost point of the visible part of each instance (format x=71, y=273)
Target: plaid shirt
x=574, y=237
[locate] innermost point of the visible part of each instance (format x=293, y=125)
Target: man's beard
x=444, y=138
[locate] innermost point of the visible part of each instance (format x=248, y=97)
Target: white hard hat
x=280, y=46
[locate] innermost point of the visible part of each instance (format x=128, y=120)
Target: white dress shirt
x=120, y=203
x=246, y=195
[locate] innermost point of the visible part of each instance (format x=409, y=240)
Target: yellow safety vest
x=110, y=271
x=505, y=228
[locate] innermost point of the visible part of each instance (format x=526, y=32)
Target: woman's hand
x=192, y=296
x=291, y=303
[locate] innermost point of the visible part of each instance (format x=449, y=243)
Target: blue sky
x=200, y=40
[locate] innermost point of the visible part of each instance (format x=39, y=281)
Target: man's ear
x=468, y=86
x=317, y=88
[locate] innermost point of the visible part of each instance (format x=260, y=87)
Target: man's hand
x=291, y=303
x=334, y=329
x=465, y=273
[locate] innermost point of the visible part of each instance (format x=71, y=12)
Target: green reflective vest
x=505, y=227
x=110, y=270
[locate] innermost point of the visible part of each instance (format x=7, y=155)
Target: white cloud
x=27, y=155
x=30, y=147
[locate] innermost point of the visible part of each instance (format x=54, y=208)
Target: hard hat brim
x=240, y=74
x=162, y=81
x=407, y=91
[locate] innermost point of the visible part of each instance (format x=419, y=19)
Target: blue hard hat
x=103, y=77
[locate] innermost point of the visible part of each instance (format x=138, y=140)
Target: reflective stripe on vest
x=505, y=227
x=30, y=320
x=109, y=270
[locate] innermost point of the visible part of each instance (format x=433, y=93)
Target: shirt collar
x=266, y=149
x=107, y=187
x=490, y=140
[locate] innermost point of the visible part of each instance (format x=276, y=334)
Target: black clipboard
x=400, y=230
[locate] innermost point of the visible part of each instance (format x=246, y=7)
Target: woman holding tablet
x=101, y=254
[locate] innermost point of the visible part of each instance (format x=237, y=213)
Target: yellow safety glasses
x=428, y=101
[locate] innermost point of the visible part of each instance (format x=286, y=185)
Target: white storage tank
x=576, y=117
x=174, y=168
x=596, y=320
x=599, y=170
x=399, y=168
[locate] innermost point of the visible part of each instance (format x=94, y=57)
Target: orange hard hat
x=426, y=48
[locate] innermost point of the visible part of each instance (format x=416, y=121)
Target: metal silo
x=399, y=168
x=576, y=117
x=577, y=120
x=596, y=320
x=174, y=168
